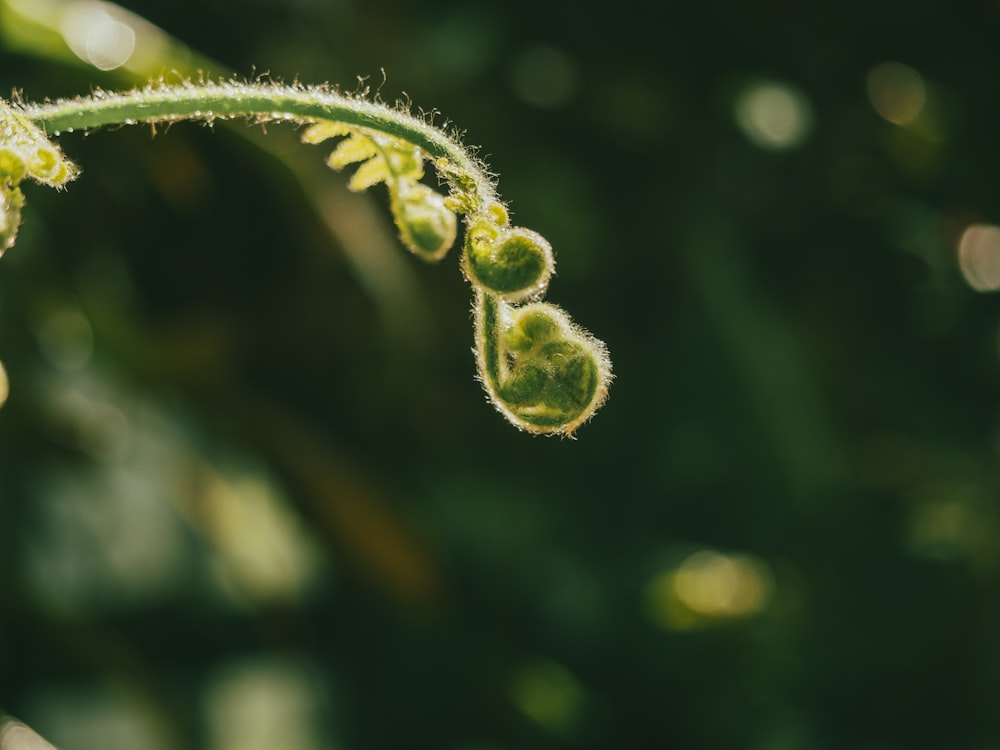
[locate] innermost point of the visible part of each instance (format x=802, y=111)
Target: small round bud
x=513, y=263
x=48, y=166
x=426, y=226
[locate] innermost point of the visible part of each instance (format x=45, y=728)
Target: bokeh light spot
x=87, y=715
x=66, y=340
x=106, y=540
x=265, y=554
x=545, y=77
x=714, y=584
x=549, y=695
x=773, y=115
x=4, y=385
x=939, y=529
x=263, y=703
x=979, y=257
x=953, y=521
x=706, y=587
x=97, y=38
x=897, y=92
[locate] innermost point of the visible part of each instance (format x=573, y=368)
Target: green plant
x=542, y=372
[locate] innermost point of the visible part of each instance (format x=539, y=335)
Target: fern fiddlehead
x=25, y=153
x=545, y=374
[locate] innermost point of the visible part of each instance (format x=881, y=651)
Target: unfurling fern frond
x=542, y=372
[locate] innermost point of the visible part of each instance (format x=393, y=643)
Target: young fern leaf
x=427, y=227
x=544, y=373
x=25, y=153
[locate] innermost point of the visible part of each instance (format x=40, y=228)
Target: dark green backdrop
x=249, y=485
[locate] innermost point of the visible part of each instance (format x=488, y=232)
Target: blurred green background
x=251, y=495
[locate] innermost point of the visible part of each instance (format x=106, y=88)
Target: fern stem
x=263, y=102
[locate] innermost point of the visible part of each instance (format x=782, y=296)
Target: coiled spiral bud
x=512, y=262
x=542, y=372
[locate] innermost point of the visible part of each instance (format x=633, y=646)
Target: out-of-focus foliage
x=783, y=529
